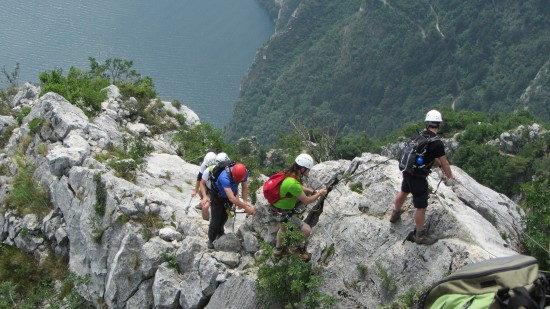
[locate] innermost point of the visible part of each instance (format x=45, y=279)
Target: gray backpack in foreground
x=507, y=282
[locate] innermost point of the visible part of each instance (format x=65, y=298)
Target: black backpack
x=413, y=158
x=217, y=170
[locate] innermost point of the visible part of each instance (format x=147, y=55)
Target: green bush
x=25, y=110
x=83, y=89
x=78, y=87
x=170, y=259
x=193, y=142
x=27, y=196
x=387, y=281
x=100, y=195
x=26, y=283
x=127, y=159
x=289, y=282
x=36, y=124
x=6, y=135
x=537, y=220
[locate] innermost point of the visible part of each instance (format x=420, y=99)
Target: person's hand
x=250, y=210
x=205, y=202
x=193, y=194
x=451, y=182
x=323, y=192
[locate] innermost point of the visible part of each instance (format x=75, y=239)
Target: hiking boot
x=395, y=215
x=422, y=238
x=302, y=254
x=198, y=206
x=210, y=245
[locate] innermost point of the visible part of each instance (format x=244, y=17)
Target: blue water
x=196, y=51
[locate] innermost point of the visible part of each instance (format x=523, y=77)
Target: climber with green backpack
x=284, y=192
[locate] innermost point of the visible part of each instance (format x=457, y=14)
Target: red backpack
x=272, y=187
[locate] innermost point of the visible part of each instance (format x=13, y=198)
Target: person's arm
x=445, y=166
x=237, y=202
x=205, y=198
x=309, y=190
x=244, y=188
x=312, y=198
x=197, y=185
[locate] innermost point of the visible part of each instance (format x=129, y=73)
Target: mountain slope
x=371, y=66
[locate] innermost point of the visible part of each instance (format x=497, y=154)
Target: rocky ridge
x=124, y=255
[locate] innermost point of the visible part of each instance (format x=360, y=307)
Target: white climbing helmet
x=221, y=157
x=209, y=159
x=304, y=160
x=434, y=116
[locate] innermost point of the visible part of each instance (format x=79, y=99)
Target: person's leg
x=279, y=251
x=419, y=190
x=224, y=217
x=306, y=231
x=278, y=237
x=400, y=199
x=420, y=218
x=420, y=201
x=216, y=218
x=205, y=212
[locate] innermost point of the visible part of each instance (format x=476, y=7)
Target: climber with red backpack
x=285, y=192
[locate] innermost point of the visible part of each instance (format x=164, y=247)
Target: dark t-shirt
x=436, y=149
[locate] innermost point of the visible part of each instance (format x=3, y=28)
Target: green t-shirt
x=292, y=186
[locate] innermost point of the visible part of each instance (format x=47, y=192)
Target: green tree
x=114, y=70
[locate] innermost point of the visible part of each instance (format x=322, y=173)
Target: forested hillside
x=370, y=66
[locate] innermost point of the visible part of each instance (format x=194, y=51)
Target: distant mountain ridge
x=373, y=66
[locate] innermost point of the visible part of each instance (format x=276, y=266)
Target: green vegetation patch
x=289, y=282
x=27, y=196
x=26, y=283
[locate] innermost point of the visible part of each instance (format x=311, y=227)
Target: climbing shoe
x=302, y=253
x=395, y=216
x=422, y=238
x=210, y=245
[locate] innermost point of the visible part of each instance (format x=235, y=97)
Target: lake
x=196, y=51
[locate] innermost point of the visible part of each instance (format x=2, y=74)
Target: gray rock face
x=25, y=96
x=5, y=122
x=142, y=244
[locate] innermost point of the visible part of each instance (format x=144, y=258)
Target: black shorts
x=418, y=186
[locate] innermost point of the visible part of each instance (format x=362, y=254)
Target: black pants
x=218, y=216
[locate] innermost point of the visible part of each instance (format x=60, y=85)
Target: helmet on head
x=433, y=116
x=221, y=157
x=209, y=159
x=304, y=160
x=238, y=172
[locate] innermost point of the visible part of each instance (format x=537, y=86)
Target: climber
x=418, y=185
x=206, y=185
x=224, y=194
x=293, y=191
x=209, y=160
